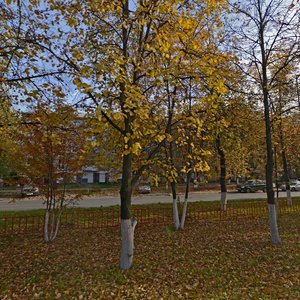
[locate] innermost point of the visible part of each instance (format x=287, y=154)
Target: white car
x=29, y=190
x=294, y=186
x=144, y=189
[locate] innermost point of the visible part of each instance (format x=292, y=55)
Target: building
x=91, y=174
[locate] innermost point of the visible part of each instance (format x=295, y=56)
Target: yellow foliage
x=136, y=148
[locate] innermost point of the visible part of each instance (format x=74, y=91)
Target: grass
x=205, y=261
x=36, y=212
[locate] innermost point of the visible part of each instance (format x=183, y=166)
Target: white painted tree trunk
x=49, y=237
x=46, y=225
x=184, y=210
x=53, y=225
x=57, y=225
x=175, y=214
x=127, y=247
x=273, y=224
x=289, y=197
x=223, y=201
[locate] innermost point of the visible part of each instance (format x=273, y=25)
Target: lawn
x=208, y=260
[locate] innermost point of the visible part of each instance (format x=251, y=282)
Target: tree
x=238, y=138
x=53, y=145
x=9, y=149
x=184, y=153
x=187, y=93
x=266, y=27
x=284, y=104
x=115, y=53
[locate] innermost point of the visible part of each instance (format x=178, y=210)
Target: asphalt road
x=97, y=201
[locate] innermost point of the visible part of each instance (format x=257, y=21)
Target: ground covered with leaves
x=233, y=259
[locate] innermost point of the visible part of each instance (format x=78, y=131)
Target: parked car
x=29, y=190
x=252, y=186
x=294, y=186
x=144, y=188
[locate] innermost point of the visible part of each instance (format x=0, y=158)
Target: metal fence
x=109, y=217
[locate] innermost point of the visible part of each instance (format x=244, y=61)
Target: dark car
x=252, y=186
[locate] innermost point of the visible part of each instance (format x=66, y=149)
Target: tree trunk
x=285, y=168
x=46, y=225
x=175, y=207
x=53, y=212
x=55, y=225
x=286, y=178
x=269, y=166
x=184, y=211
x=190, y=164
x=186, y=197
x=127, y=223
x=223, y=201
x=222, y=174
x=171, y=105
x=127, y=248
x=283, y=154
x=269, y=177
x=273, y=224
x=289, y=197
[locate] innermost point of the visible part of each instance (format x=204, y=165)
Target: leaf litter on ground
x=233, y=259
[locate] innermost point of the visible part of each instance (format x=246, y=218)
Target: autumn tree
x=284, y=105
x=223, y=123
x=10, y=28
x=193, y=74
x=236, y=121
x=114, y=52
x=53, y=144
x=9, y=148
x=291, y=129
x=182, y=153
x=263, y=28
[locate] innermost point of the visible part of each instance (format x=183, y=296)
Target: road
x=98, y=201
